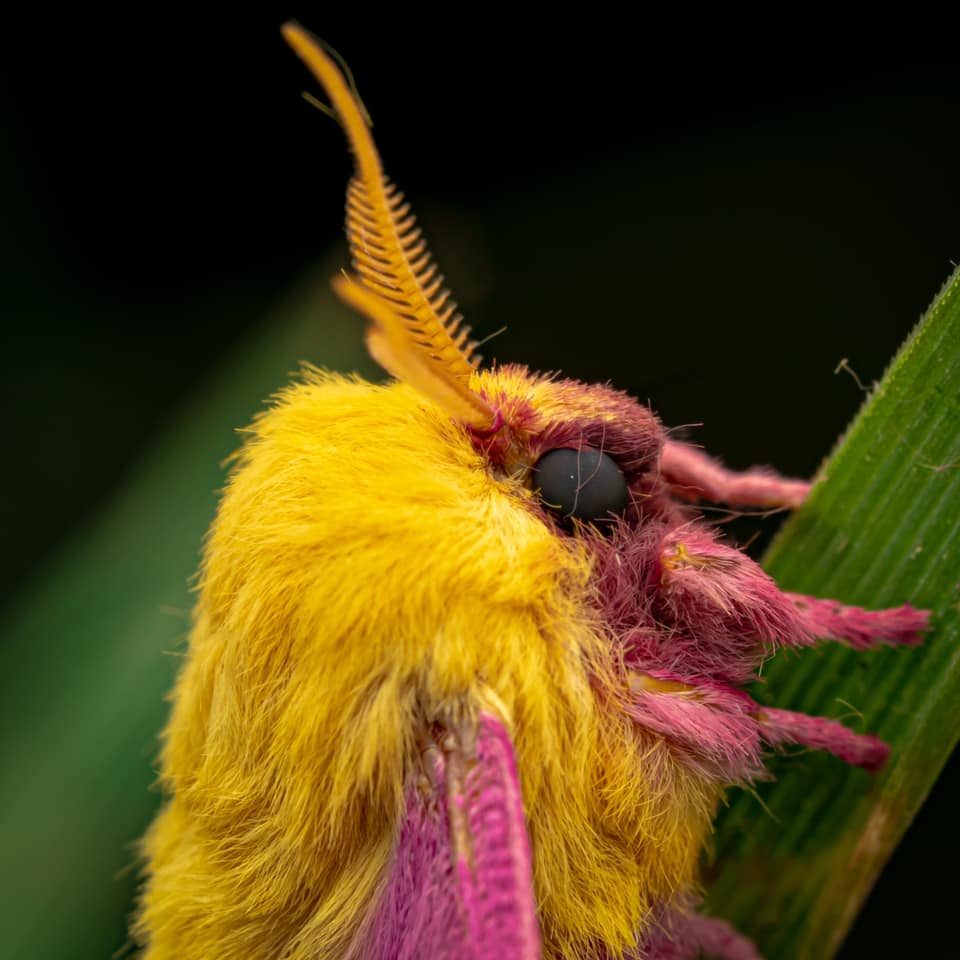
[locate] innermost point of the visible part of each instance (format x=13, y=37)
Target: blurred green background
x=706, y=219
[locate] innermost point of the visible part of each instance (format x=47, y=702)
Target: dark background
x=712, y=218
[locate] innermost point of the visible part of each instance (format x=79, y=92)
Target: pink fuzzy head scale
x=542, y=412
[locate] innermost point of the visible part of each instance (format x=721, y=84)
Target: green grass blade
x=881, y=529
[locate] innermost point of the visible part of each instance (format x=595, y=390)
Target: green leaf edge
x=881, y=527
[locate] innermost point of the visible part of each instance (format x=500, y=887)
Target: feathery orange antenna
x=416, y=333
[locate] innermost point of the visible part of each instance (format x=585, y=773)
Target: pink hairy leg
x=726, y=603
x=716, y=938
x=716, y=616
x=459, y=886
x=694, y=475
x=859, y=628
x=722, y=730
x=859, y=750
x=687, y=936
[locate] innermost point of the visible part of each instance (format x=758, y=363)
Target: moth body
x=429, y=711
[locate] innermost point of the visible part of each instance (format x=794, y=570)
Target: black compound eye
x=586, y=484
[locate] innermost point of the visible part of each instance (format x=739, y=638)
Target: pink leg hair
x=723, y=601
x=687, y=936
x=724, y=614
x=859, y=628
x=717, y=939
x=859, y=750
x=694, y=475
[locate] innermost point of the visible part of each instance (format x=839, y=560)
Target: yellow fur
x=367, y=574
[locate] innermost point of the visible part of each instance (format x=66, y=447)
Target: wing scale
x=459, y=884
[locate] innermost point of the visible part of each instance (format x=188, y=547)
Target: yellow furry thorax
x=368, y=575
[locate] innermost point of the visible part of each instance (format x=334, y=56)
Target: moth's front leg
x=687, y=935
x=778, y=727
x=718, y=614
x=693, y=475
x=859, y=628
x=725, y=598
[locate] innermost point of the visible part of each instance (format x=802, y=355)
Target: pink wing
x=460, y=884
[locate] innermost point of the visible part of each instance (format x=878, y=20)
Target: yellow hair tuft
x=323, y=642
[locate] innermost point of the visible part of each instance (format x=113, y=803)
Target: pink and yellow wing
x=460, y=883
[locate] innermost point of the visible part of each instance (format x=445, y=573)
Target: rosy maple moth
x=466, y=676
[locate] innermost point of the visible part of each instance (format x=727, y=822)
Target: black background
x=775, y=196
